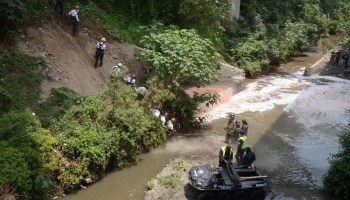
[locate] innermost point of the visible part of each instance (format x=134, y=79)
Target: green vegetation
x=180, y=165
x=73, y=138
x=171, y=181
x=180, y=56
x=20, y=80
x=54, y=107
x=85, y=136
x=336, y=181
x=150, y=184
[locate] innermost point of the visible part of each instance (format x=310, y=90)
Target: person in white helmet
x=117, y=68
x=100, y=51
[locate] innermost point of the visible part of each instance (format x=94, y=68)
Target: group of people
x=164, y=118
x=73, y=14
x=236, y=133
x=234, y=128
x=339, y=57
x=141, y=91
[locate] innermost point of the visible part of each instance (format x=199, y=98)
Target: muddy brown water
x=292, y=153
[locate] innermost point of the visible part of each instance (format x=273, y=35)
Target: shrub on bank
x=336, y=181
x=104, y=131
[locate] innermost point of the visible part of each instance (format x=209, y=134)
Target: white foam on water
x=326, y=103
x=263, y=94
x=323, y=110
x=320, y=104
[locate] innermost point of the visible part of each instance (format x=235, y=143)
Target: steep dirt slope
x=70, y=59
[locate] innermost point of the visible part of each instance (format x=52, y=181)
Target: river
x=294, y=123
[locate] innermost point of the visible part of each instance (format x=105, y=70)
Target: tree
x=12, y=13
x=336, y=181
x=180, y=57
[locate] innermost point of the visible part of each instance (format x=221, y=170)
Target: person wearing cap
x=225, y=155
x=59, y=6
x=117, y=68
x=230, y=129
x=73, y=14
x=242, y=144
x=249, y=157
x=100, y=51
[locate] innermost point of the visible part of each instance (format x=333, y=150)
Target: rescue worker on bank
x=225, y=155
x=73, y=14
x=171, y=126
x=242, y=144
x=230, y=129
x=100, y=51
x=244, y=127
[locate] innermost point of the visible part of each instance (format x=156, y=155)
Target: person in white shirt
x=117, y=68
x=141, y=92
x=100, y=51
x=164, y=118
x=73, y=14
x=130, y=80
x=170, y=126
x=155, y=112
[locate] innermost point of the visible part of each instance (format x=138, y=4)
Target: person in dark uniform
x=338, y=56
x=346, y=60
x=225, y=155
x=244, y=127
x=59, y=6
x=332, y=59
x=249, y=157
x=100, y=51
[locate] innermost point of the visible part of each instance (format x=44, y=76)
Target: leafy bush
x=171, y=181
x=23, y=132
x=180, y=165
x=12, y=14
x=180, y=56
x=103, y=131
x=14, y=170
x=150, y=184
x=19, y=81
x=336, y=181
x=72, y=172
x=296, y=36
x=61, y=99
x=338, y=13
x=252, y=68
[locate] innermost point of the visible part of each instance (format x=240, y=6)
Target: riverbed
x=294, y=123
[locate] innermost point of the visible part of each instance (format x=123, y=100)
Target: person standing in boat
x=225, y=155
